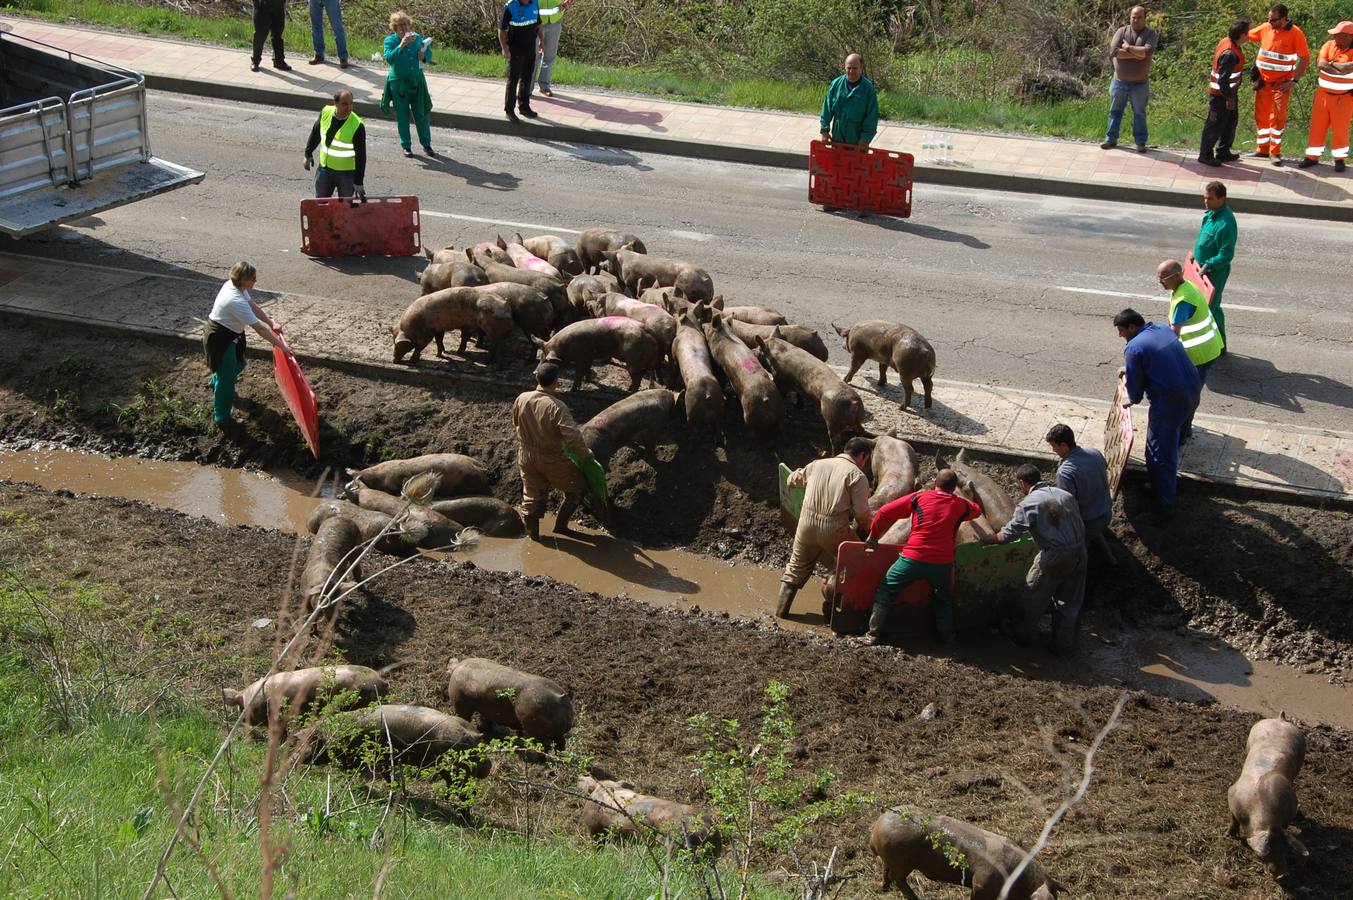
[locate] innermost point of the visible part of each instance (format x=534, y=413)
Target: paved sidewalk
x=1233, y=451
x=989, y=161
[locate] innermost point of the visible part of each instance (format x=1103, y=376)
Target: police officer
x=518, y=38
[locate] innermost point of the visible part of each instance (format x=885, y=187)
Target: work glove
x=360, y=193
x=309, y=162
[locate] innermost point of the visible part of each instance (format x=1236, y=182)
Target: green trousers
x=938, y=575
x=1218, y=284
x=406, y=105
x=223, y=385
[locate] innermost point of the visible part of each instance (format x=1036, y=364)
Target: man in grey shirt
x=1057, y=576
x=1131, y=50
x=1084, y=474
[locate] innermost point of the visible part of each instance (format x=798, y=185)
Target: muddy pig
x=441, y=531
x=488, y=514
x=332, y=554
x=657, y=320
x=894, y=465
x=752, y=315
x=638, y=419
x=398, y=542
x=582, y=289
x=638, y=271
x=445, y=255
x=891, y=344
x=997, y=506
x=290, y=695
x=525, y=259
x=458, y=474
x=552, y=288
x=454, y=273
x=1262, y=800
x=594, y=242
x=905, y=840
x=532, y=311
x=841, y=407
x=703, y=394
x=615, y=809
x=555, y=251
x=617, y=338
x=454, y=309
x=800, y=336
x=419, y=735
x=762, y=405
x=532, y=704
x=489, y=250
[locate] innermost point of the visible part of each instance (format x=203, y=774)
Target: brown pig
x=532, y=311
x=894, y=465
x=593, y=242
x=458, y=474
x=441, y=531
x=616, y=809
x=752, y=315
x=658, y=321
x=841, y=407
x=454, y=309
x=491, y=250
x=1262, y=800
x=552, y=288
x=413, y=735
x=289, y=695
x=454, y=273
x=891, y=344
x=638, y=271
x=332, y=554
x=703, y=393
x=618, y=338
x=582, y=289
x=488, y=514
x=763, y=407
x=555, y=251
x=400, y=541
x=638, y=419
x=800, y=336
x=909, y=840
x=445, y=255
x=532, y=704
x=980, y=488
x=525, y=259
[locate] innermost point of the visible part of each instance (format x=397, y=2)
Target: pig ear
x=428, y=252
x=775, y=333
x=502, y=244
x=717, y=302
x=469, y=254
x=837, y=329
x=678, y=291
x=518, y=238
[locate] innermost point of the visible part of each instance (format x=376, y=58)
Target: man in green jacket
x=1216, y=247
x=850, y=111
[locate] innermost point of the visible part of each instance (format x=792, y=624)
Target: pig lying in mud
x=332, y=555
x=906, y=841
x=397, y=542
x=891, y=344
x=808, y=376
x=639, y=420
x=703, y=394
x=488, y=514
x=618, y=338
x=454, y=309
x=638, y=271
x=440, y=530
x=555, y=251
x=418, y=736
x=1263, y=800
x=763, y=408
x=290, y=695
x=595, y=242
x=457, y=474
x=531, y=704
x=894, y=468
x=615, y=809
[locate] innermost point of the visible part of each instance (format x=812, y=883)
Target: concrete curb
x=763, y=156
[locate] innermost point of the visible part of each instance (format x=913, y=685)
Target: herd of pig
x=606, y=299
x=1262, y=800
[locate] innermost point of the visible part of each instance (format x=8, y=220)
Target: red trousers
x=1332, y=112
x=1270, y=118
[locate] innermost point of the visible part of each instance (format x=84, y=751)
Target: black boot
x=787, y=592
x=566, y=511
x=878, y=619
x=533, y=528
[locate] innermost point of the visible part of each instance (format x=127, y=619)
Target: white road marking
x=1158, y=298
x=692, y=235
x=549, y=229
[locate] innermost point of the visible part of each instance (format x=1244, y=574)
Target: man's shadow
x=472, y=175
x=606, y=156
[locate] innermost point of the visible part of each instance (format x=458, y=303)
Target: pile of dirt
x=1264, y=576
x=1152, y=825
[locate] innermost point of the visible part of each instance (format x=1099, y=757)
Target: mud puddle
x=1184, y=666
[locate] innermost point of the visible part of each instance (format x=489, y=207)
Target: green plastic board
x=593, y=473
x=791, y=498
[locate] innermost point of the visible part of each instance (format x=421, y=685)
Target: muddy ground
x=1268, y=577
x=1152, y=826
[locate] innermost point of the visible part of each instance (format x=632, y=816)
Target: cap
x=1342, y=28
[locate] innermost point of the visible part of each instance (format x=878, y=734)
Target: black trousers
x=520, y=65
x=1219, y=131
x=270, y=16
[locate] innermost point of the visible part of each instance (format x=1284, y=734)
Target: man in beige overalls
x=544, y=425
x=836, y=492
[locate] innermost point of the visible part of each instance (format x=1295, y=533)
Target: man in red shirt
x=929, y=551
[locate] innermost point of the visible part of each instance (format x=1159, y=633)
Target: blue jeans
x=327, y=181
x=1120, y=94
x=317, y=10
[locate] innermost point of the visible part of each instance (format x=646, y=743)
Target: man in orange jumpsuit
x=1333, y=99
x=1282, y=59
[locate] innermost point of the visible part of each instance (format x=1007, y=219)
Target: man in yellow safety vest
x=551, y=26
x=1191, y=319
x=340, y=136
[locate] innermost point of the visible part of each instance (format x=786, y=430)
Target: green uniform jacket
x=1216, y=245
x=406, y=74
x=852, y=116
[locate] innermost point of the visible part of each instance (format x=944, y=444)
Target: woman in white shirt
x=223, y=342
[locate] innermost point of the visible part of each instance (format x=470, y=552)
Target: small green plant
x=159, y=408
x=64, y=405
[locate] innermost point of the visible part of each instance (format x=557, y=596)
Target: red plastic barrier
x=876, y=181
x=382, y=226
x=300, y=397
x=1118, y=436
x=858, y=574
x=1194, y=273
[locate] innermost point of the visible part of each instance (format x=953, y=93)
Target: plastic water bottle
x=946, y=145
x=928, y=144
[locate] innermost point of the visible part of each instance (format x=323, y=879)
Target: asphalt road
x=1013, y=290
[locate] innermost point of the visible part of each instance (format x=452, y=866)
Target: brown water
x=1192, y=667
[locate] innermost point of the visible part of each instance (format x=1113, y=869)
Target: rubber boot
x=533, y=528
x=566, y=510
x=787, y=592
x=878, y=619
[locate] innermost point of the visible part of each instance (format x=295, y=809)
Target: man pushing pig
x=544, y=425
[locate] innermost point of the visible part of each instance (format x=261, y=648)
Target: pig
x=525, y=259
x=490, y=250
x=552, y=288
x=398, y=542
x=615, y=337
x=414, y=735
x=290, y=695
x=891, y=344
x=332, y=554
x=637, y=271
x=454, y=273
x=1262, y=800
x=583, y=288
x=459, y=474
x=703, y=394
x=997, y=506
x=441, y=531
x=488, y=514
x=637, y=419
x=445, y=255
x=656, y=320
x=841, y=407
x=762, y=406
x=752, y=315
x=593, y=242
x=800, y=336
x=894, y=468
x=614, y=808
x=532, y=310
x=532, y=704
x=454, y=309
x=555, y=251
x=905, y=840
